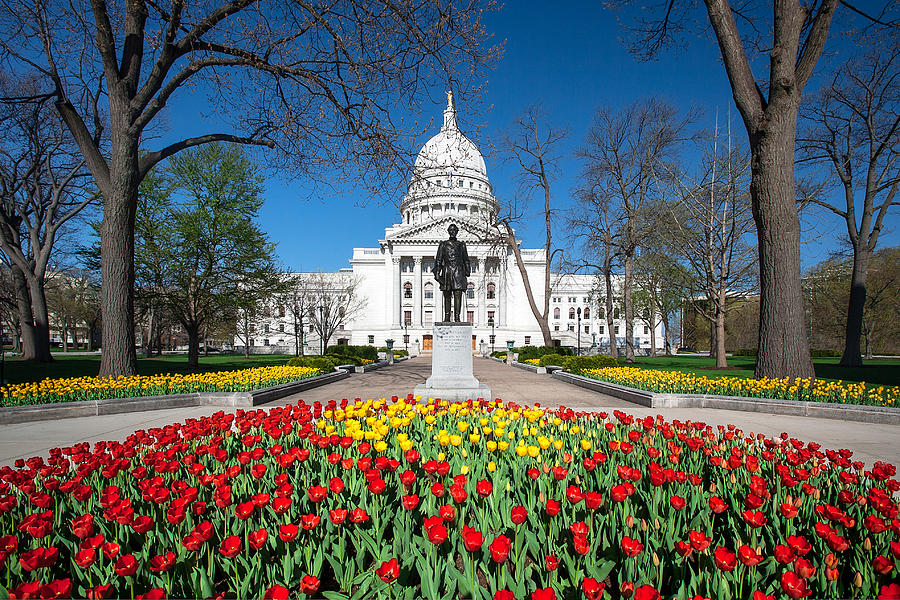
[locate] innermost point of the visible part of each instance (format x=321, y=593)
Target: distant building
x=450, y=185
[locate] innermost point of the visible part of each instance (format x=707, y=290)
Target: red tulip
x=260, y=500
x=890, y=592
x=377, y=486
x=243, y=510
x=579, y=528
x=543, y=594
x=410, y=502
x=748, y=556
x=288, y=533
x=257, y=539
x=231, y=546
x=504, y=595
x=83, y=526
x=518, y=515
x=308, y=522
x=447, y=513
x=804, y=568
x=484, y=488
x=258, y=470
x=683, y=548
x=592, y=589
x=99, y=592
x=646, y=592
x=626, y=589
x=309, y=585
x=631, y=547
x=162, y=563
x=458, y=492
x=784, y=554
x=437, y=535
x=699, y=541
x=388, y=571
x=574, y=494
x=551, y=562
x=38, y=558
x=337, y=515
x=593, y=500
x=500, y=548
x=317, y=493
x=717, y=505
x=281, y=505
x=799, y=544
x=725, y=559
x=85, y=558
x=126, y=565
x=358, y=515
x=788, y=510
x=882, y=564
x=437, y=489
x=59, y=588
x=755, y=519
x=677, y=503
x=552, y=508
x=794, y=586
x=581, y=544
x=277, y=592
x=472, y=539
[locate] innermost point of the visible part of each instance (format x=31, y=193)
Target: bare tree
x=318, y=81
x=624, y=155
x=853, y=127
x=788, y=37
x=42, y=188
x=593, y=229
x=298, y=302
x=714, y=233
x=533, y=145
x=334, y=300
x=662, y=286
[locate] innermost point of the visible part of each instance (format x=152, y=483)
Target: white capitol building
x=402, y=300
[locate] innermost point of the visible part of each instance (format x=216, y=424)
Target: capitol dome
x=449, y=177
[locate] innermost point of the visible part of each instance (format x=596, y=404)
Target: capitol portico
x=450, y=185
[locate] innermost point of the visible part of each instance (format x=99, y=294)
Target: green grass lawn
x=881, y=371
x=80, y=365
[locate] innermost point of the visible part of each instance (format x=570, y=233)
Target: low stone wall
x=112, y=406
x=533, y=368
x=820, y=410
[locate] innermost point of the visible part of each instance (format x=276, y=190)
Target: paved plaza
x=869, y=442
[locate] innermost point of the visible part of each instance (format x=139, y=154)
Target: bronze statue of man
x=451, y=267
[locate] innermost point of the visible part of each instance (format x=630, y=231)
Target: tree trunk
x=666, y=345
x=652, y=330
x=26, y=317
x=65, y=339
x=89, y=343
x=541, y=319
x=610, y=322
x=193, y=333
x=721, y=361
x=246, y=336
x=41, y=320
x=629, y=307
x=151, y=323
x=117, y=254
x=855, y=308
x=783, y=339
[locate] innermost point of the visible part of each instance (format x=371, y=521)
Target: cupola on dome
x=449, y=150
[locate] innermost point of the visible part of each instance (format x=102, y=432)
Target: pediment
x=435, y=231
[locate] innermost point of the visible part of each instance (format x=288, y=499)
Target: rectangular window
x=252, y=342
x=266, y=329
x=470, y=317
x=281, y=327
x=556, y=328
x=616, y=313
x=341, y=326
x=407, y=317
x=371, y=339
x=490, y=317
x=429, y=292
x=311, y=327
x=281, y=311
x=602, y=329
x=527, y=340
x=266, y=342
x=646, y=330
x=571, y=327
x=617, y=330
x=587, y=328
x=428, y=317
x=459, y=183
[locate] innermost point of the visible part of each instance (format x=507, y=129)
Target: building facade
x=450, y=185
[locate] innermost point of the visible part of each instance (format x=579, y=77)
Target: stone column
x=502, y=292
x=395, y=294
x=481, y=291
x=417, y=294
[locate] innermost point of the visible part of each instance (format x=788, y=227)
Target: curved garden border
x=111, y=406
x=820, y=410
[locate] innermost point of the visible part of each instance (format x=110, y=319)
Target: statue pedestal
x=451, y=366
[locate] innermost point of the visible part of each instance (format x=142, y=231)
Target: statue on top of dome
x=451, y=267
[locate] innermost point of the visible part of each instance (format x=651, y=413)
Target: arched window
x=429, y=291
x=587, y=312
x=571, y=313
x=556, y=313
x=407, y=290
x=470, y=291
x=491, y=291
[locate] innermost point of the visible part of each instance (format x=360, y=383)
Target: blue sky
x=572, y=61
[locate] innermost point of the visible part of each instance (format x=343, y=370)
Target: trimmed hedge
x=325, y=364
x=346, y=359
x=526, y=352
x=577, y=364
x=745, y=352
x=367, y=352
x=551, y=359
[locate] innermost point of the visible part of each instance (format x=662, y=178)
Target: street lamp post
x=406, y=335
x=578, y=333
x=491, y=323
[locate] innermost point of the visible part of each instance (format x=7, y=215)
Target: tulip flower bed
x=99, y=388
x=409, y=499
x=808, y=390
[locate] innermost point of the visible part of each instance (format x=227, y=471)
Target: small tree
x=533, y=145
x=214, y=255
x=298, y=302
x=662, y=284
x=333, y=301
x=853, y=128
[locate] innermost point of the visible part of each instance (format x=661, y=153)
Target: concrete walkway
x=869, y=442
